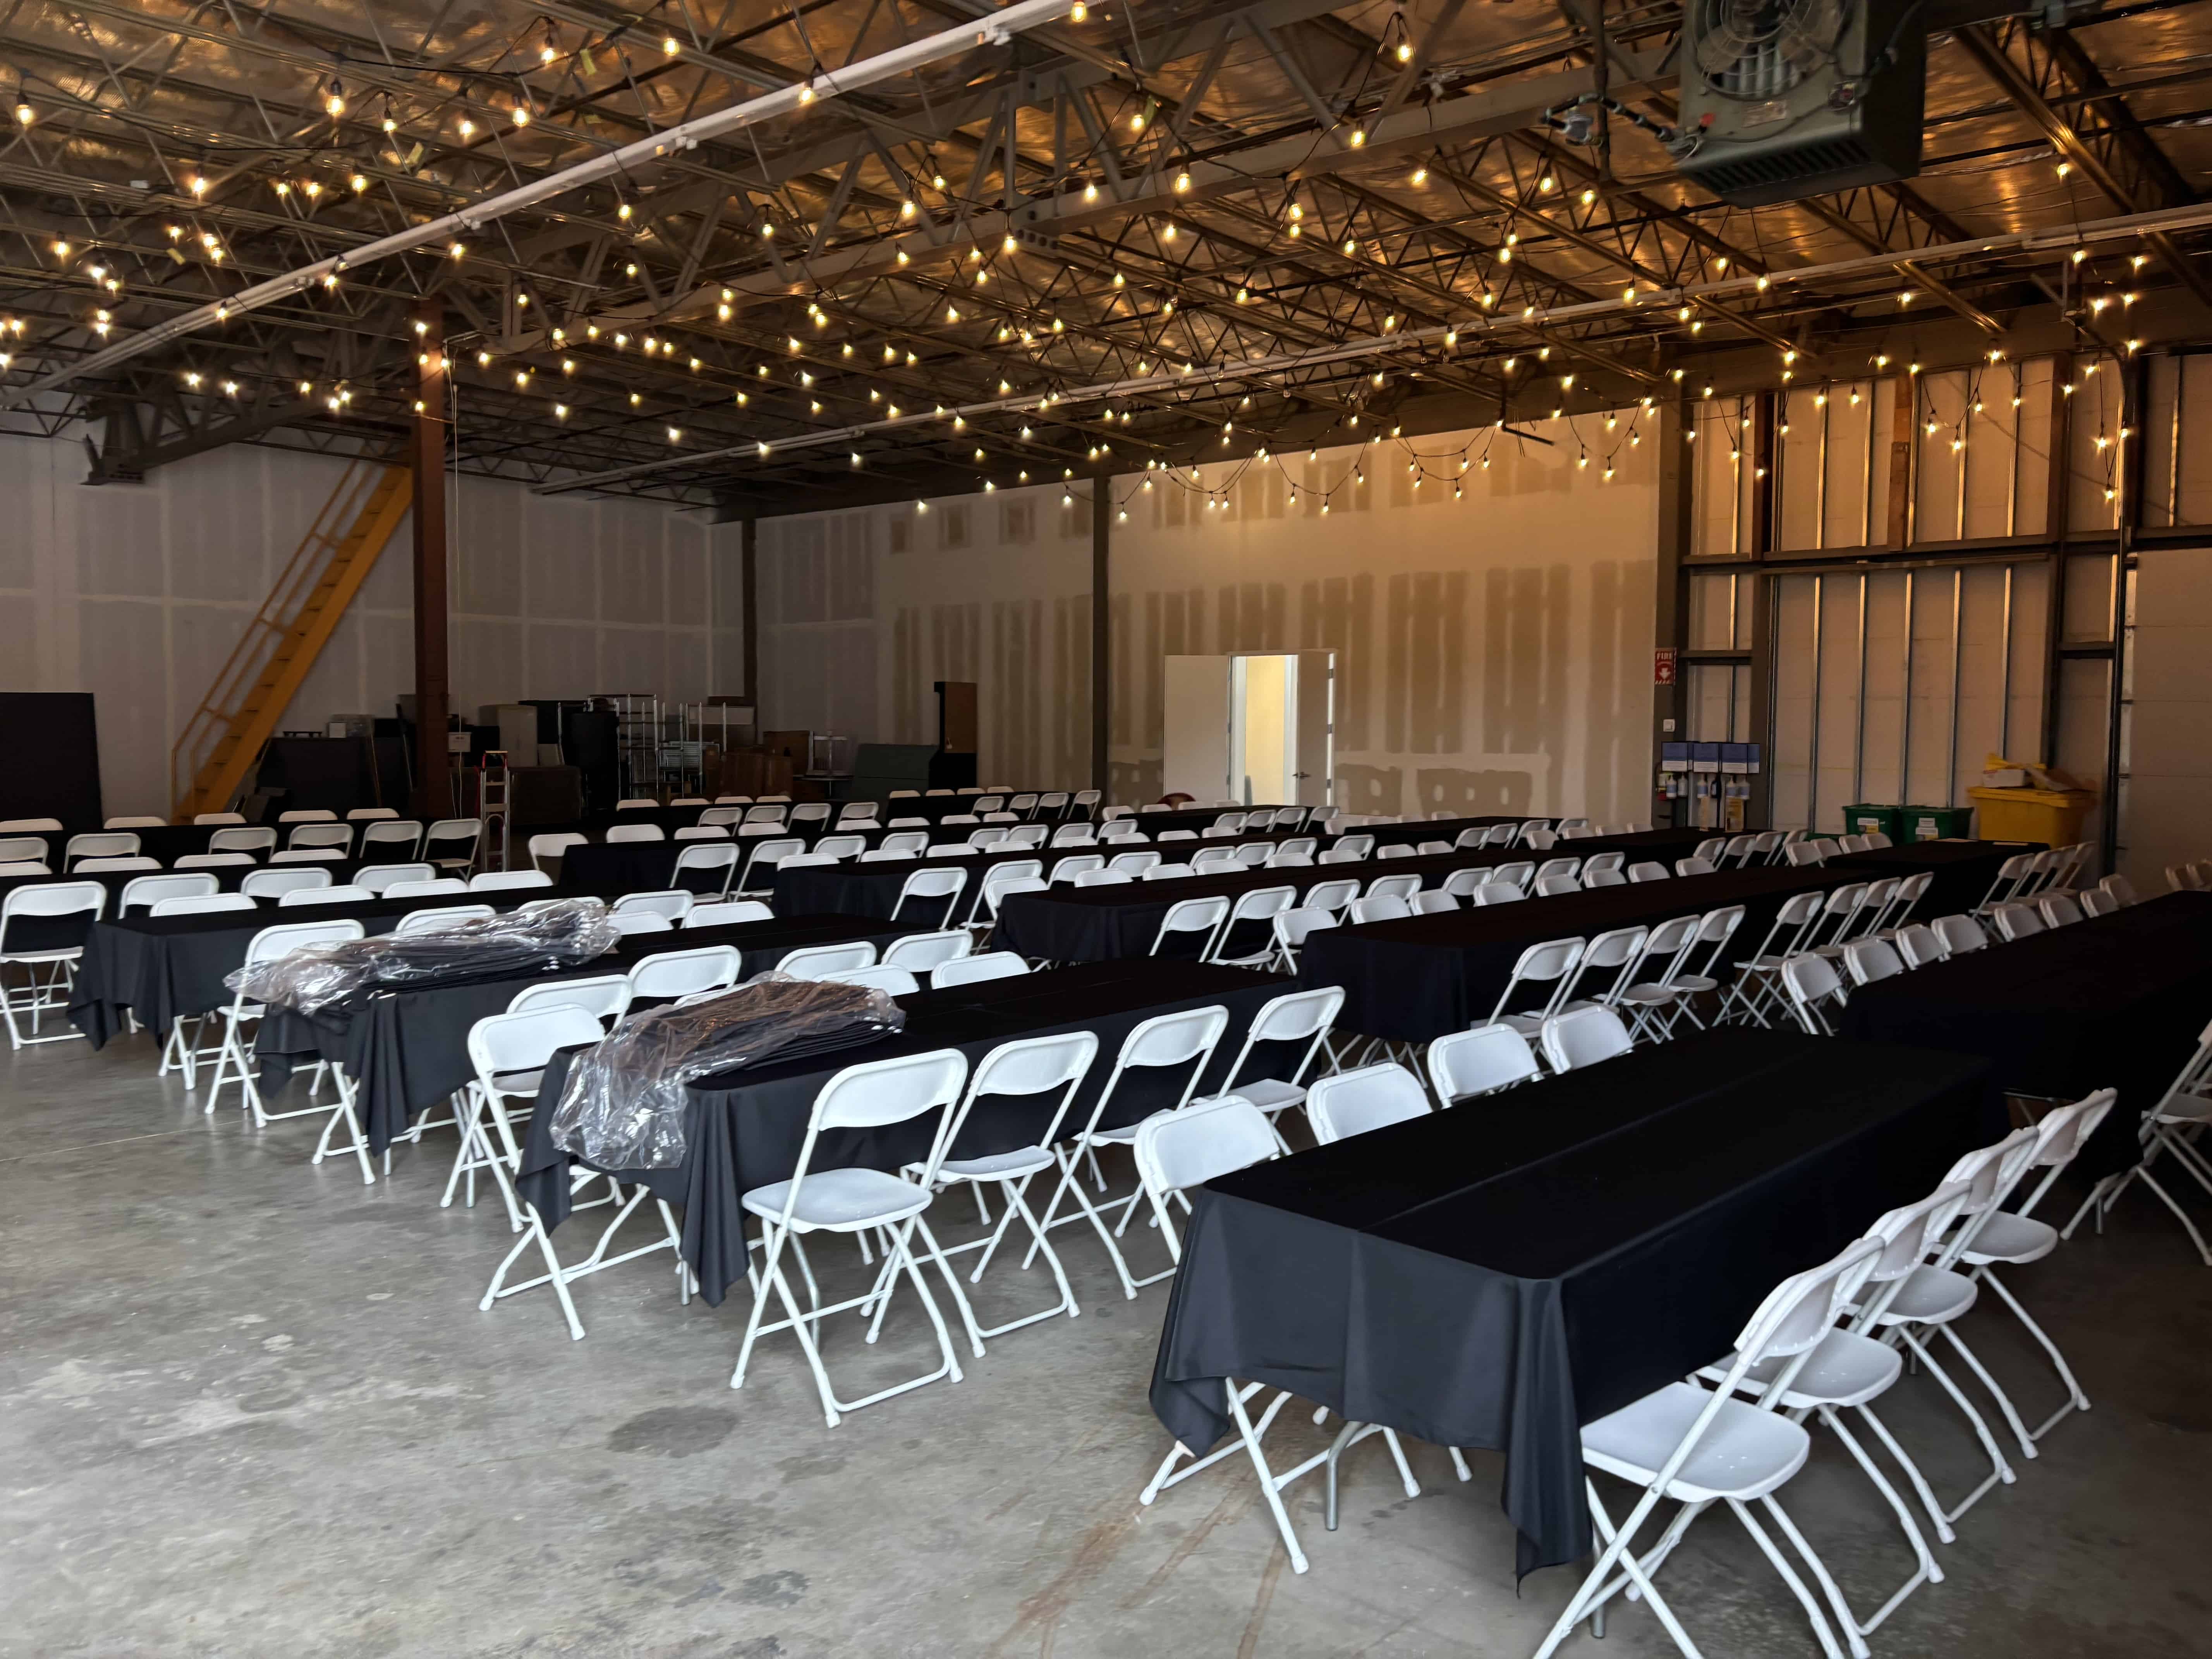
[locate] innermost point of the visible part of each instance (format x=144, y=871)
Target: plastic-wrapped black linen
x=622, y=1106
x=564, y=934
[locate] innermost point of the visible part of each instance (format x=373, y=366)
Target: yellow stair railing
x=223, y=740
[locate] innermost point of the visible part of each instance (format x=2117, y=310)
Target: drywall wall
x=137, y=594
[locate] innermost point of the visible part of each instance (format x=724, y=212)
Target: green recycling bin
x=1871, y=820
x=1934, y=822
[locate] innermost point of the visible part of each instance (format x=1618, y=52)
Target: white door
x=1195, y=743
x=1316, y=742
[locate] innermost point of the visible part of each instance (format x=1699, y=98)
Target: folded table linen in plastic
x=554, y=936
x=622, y=1104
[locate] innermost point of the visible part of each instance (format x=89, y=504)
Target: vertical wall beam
x=2135, y=406
x=1669, y=702
x=1904, y=425
x=1102, y=678
x=749, y=602
x=2057, y=512
x=1758, y=807
x=426, y=446
x=1766, y=471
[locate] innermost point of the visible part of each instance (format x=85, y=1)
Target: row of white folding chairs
x=449, y=841
x=1822, y=924
x=2193, y=876
x=1824, y=1342
x=2026, y=876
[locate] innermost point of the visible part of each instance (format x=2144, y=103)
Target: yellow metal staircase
x=223, y=740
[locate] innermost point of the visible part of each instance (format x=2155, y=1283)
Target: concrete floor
x=248, y=1407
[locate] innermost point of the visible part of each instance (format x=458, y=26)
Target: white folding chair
x=1165, y=1041
x=727, y=913
x=758, y=880
x=233, y=1066
x=1261, y=905
x=346, y=894
x=922, y=953
x=1919, y=945
x=621, y=834
x=380, y=878
x=500, y=881
x=1200, y=916
x=308, y=838
x=2096, y=902
x=1699, y=1447
x=275, y=883
x=1383, y=907
x=218, y=818
x=926, y=885
x=133, y=861
x=869, y=1096
x=388, y=836
x=1652, y=1004
x=1028, y=1066
x=1333, y=897
x=97, y=846
x=1757, y=992
x=1814, y=991
x=1548, y=963
x=1582, y=1037
x=1462, y=1065
x=1295, y=1017
x=1960, y=935
x=2015, y=921
x=891, y=981
x=1371, y=1097
x=43, y=902
x=150, y=890
x=545, y=848
x=1867, y=960
x=2172, y=1128
x=812, y=961
x=667, y=975
x=673, y=903
x=1691, y=866
x=259, y=839
x=1291, y=928
x=307, y=815
x=2122, y=890
x=451, y=844
x=971, y=970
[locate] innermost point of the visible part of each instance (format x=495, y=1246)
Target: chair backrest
x=707, y=856
x=1494, y=892
x=812, y=961
x=1167, y=872
x=727, y=913
x=1105, y=878
x=496, y=881
x=286, y=937
x=51, y=898
x=254, y=839
x=1959, y=934
x=630, y=922
x=320, y=835
x=1568, y=867
x=1175, y=1151
x=1811, y=983
x=21, y=849
x=134, y=822
x=1402, y=887
x=1330, y=896
x=1133, y=864
x=211, y=861
x=673, y=902
x=879, y=977
x=1195, y=915
x=1070, y=866
x=1358, y=846
x=840, y=846
x=1689, y=867
x=2096, y=902
x=218, y=818
x=2059, y=909
x=922, y=952
x=1433, y=901
x=1582, y=1037
x=1557, y=887
x=1792, y=1319
x=382, y=878
x=680, y=973
x=882, y=1092
x=390, y=829
x=307, y=856
x=1519, y=872
x=275, y=883
x=1174, y=1039
x=1383, y=907
x=1291, y=925
x=1869, y=959
x=348, y=894
x=1479, y=1062
x=152, y=889
x=552, y=847
x=1371, y=1097
x=452, y=838
x=442, y=918
x=97, y=846
x=30, y=824
x=431, y=888
x=721, y=816
x=1919, y=945
x=307, y=815
x=857, y=812
x=629, y=832
x=703, y=832
x=2016, y=922
x=1074, y=835
x=134, y=861
x=204, y=904
x=764, y=814
x=603, y=996
x=1803, y=851
x=637, y=804
x=2120, y=888
x=967, y=971
x=504, y=1045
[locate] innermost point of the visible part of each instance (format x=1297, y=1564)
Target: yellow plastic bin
x=2052, y=816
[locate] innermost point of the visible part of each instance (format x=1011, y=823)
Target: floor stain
x=674, y=1430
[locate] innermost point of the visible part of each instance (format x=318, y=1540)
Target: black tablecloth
x=1963, y=870
x=2117, y=1001
x=1095, y=924
x=1417, y=979
x=407, y=1050
x=1502, y=1273
x=745, y=1127
x=159, y=968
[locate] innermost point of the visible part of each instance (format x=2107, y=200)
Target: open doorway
x=1257, y=727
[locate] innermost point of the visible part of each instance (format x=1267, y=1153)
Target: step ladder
x=222, y=741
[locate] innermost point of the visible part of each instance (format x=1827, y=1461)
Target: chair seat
x=1744, y=1452
x=840, y=1199
x=2016, y=1238
x=1690, y=985
x=2184, y=1108
x=1649, y=996
x=519, y=1083
x=1846, y=1368
x=997, y=1166
x=1527, y=1025
x=1929, y=1295
x=1271, y=1095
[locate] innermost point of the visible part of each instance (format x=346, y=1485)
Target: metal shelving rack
x=637, y=738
